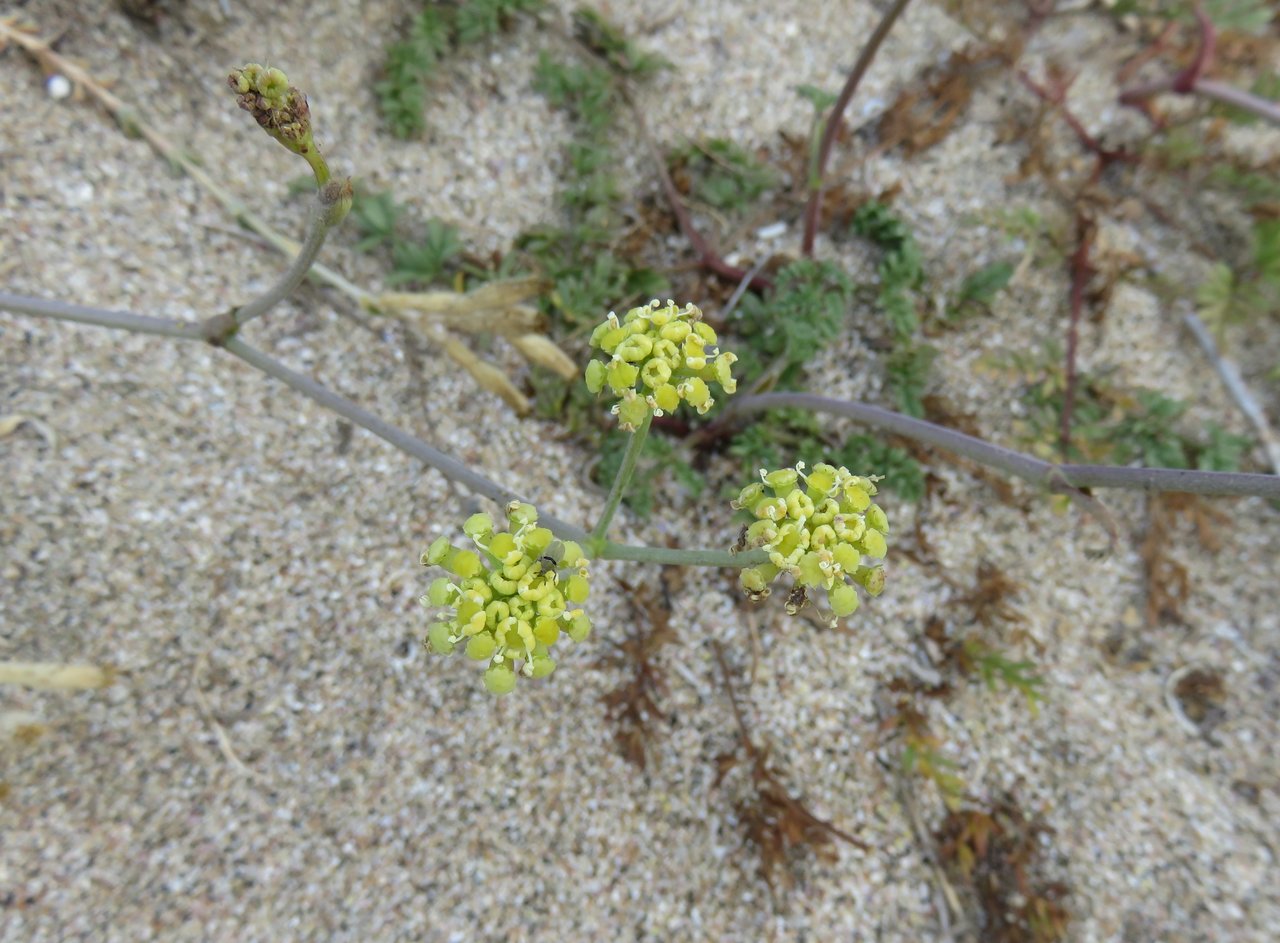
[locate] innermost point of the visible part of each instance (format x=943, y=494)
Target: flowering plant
x=513, y=596
x=816, y=527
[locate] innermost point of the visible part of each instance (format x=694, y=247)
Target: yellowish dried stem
x=449, y=309
x=538, y=349
x=51, y=676
x=486, y=374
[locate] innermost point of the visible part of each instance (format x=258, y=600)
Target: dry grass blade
x=55, y=676
x=489, y=377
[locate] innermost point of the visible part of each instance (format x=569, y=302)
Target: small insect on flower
x=507, y=604
x=551, y=559
x=817, y=526
x=797, y=599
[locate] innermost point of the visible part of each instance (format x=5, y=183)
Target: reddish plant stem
x=708, y=257
x=1080, y=272
x=1185, y=81
x=1143, y=56
x=1192, y=81
x=813, y=208
x=1057, y=96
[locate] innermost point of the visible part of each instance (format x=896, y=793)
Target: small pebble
x=58, y=87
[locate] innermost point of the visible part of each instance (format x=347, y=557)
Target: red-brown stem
x=813, y=208
x=1080, y=272
x=1143, y=56
x=1185, y=82
x=1192, y=81
x=1057, y=96
x=708, y=258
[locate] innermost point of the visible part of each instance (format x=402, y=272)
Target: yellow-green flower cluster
x=817, y=527
x=511, y=598
x=660, y=355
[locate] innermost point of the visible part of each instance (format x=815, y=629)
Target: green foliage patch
x=435, y=31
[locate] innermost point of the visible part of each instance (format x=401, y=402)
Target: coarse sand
x=278, y=758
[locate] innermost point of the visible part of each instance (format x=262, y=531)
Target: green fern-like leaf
x=802, y=316
x=907, y=376
x=376, y=215
x=425, y=261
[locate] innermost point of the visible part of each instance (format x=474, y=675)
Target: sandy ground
x=279, y=760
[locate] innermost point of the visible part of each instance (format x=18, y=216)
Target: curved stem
x=1054, y=477
x=813, y=209
x=619, y=488
x=328, y=200
x=1230, y=95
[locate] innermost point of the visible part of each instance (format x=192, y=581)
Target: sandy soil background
x=252, y=573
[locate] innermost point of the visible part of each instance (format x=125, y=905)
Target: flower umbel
x=510, y=598
x=817, y=527
x=660, y=355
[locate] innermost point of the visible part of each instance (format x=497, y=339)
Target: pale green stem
x=411, y=445
x=599, y=536
x=671, y=556
x=100, y=317
x=328, y=199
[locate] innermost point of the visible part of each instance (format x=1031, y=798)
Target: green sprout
x=281, y=110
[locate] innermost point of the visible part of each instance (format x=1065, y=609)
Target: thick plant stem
x=447, y=465
x=1229, y=373
x=634, y=448
x=1058, y=478
x=813, y=210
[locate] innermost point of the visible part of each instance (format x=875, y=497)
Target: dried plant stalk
x=486, y=374
x=538, y=349
x=48, y=675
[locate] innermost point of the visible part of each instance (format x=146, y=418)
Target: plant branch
x=442, y=462
x=1191, y=80
x=671, y=556
x=1057, y=478
x=813, y=208
x=1207, y=88
x=446, y=464
x=82, y=314
x=1080, y=272
x=634, y=447
x=328, y=198
x=708, y=258
x=1231, y=379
